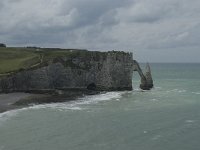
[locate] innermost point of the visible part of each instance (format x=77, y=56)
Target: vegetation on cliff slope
x=16, y=59
x=13, y=59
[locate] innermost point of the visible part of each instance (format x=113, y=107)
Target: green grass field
x=15, y=59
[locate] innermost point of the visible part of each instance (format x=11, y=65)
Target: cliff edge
x=52, y=69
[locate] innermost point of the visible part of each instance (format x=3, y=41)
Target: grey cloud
x=56, y=19
x=92, y=10
x=109, y=18
x=148, y=11
x=144, y=26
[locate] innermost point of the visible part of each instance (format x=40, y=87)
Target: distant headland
x=57, y=71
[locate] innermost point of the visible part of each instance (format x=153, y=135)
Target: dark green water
x=165, y=118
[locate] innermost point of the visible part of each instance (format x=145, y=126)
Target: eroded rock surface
x=104, y=70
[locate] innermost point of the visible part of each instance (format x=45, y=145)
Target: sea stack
x=149, y=76
x=147, y=81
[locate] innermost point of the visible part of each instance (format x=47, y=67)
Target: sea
x=164, y=118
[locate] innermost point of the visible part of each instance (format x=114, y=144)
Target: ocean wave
x=190, y=121
x=156, y=137
x=9, y=114
x=157, y=87
x=101, y=97
x=140, y=90
x=137, y=89
x=58, y=106
x=154, y=100
x=4, y=116
x=76, y=105
x=197, y=93
x=177, y=91
x=73, y=105
x=181, y=91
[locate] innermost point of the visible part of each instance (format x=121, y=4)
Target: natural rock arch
x=146, y=80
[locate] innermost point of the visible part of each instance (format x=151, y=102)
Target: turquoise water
x=165, y=118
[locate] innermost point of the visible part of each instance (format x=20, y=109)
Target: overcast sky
x=154, y=30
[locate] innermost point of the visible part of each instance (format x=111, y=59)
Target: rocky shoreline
x=59, y=75
x=19, y=100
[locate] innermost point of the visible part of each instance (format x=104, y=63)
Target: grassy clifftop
x=15, y=59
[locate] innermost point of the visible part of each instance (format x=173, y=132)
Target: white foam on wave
x=140, y=90
x=4, y=116
x=145, y=132
x=182, y=91
x=156, y=137
x=9, y=114
x=154, y=100
x=137, y=90
x=157, y=87
x=190, y=121
x=58, y=106
x=76, y=105
x=93, y=99
x=177, y=91
x=197, y=93
x=73, y=105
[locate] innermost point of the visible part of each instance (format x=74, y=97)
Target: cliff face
x=98, y=70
